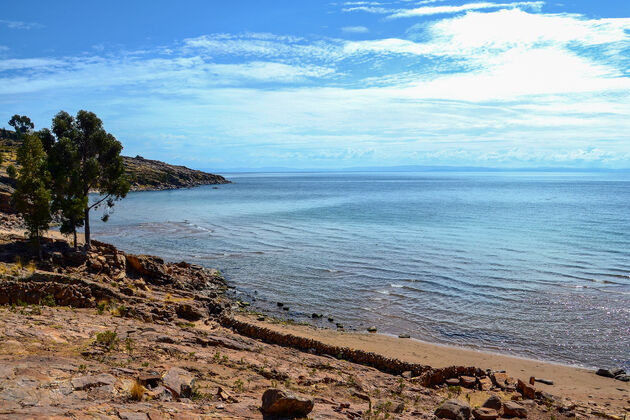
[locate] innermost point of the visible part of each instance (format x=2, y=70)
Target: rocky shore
x=153, y=175
x=108, y=334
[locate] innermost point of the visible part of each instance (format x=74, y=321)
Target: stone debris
x=454, y=410
x=280, y=403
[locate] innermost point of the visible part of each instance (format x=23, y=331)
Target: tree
x=22, y=124
x=68, y=198
x=99, y=166
x=32, y=196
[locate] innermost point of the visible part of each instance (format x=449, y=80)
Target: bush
x=107, y=339
x=48, y=300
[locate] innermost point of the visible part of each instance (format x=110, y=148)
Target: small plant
x=100, y=307
x=238, y=385
x=107, y=339
x=82, y=368
x=129, y=345
x=122, y=311
x=31, y=267
x=145, y=364
x=18, y=262
x=48, y=300
x=137, y=391
x=216, y=357
x=455, y=389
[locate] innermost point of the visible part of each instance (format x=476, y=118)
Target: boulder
x=372, y=329
x=454, y=410
x=189, y=312
x=151, y=268
x=283, y=404
x=452, y=381
x=484, y=413
x=180, y=382
x=493, y=402
x=514, y=409
x=623, y=378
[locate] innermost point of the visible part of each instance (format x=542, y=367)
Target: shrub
x=107, y=339
x=48, y=300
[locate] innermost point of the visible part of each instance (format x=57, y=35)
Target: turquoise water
x=532, y=264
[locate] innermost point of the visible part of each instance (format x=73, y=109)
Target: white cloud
x=16, y=24
x=355, y=29
x=435, y=10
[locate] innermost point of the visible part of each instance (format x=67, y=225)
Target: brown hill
x=145, y=174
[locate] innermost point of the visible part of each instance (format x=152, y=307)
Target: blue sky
x=319, y=84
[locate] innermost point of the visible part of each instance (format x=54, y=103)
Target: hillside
x=145, y=174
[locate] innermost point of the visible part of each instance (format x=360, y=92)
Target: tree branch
x=99, y=202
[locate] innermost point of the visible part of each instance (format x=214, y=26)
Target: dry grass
x=137, y=391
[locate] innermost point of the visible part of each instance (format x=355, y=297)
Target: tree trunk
x=88, y=242
x=74, y=232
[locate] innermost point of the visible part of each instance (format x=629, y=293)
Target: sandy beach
x=569, y=381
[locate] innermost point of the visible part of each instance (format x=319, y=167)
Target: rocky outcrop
x=145, y=174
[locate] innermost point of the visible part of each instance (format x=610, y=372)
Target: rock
x=484, y=413
x=149, y=379
x=407, y=374
x=279, y=403
x=179, y=382
x=485, y=383
x=286, y=308
x=543, y=381
x=130, y=415
x=452, y=382
x=468, y=381
x=260, y=318
x=92, y=381
x=159, y=393
x=372, y=329
x=623, y=378
x=404, y=335
x=189, y=312
x=605, y=373
x=493, y=402
x=618, y=371
x=280, y=304
x=399, y=408
x=454, y=410
x=501, y=379
x=224, y=396
x=331, y=319
x=528, y=391
x=514, y=409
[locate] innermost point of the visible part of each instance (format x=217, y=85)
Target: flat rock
x=452, y=381
x=484, y=413
x=279, y=403
x=179, y=381
x=82, y=383
x=468, y=381
x=454, y=410
x=485, y=383
x=527, y=390
x=514, y=409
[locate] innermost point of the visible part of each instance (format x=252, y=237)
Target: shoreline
x=574, y=382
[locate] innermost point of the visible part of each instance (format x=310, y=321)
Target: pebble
x=404, y=335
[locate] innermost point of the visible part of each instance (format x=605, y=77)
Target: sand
x=569, y=381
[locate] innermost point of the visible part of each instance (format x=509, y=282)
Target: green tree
x=32, y=196
x=99, y=167
x=68, y=198
x=22, y=124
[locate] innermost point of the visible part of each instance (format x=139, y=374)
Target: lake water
x=532, y=264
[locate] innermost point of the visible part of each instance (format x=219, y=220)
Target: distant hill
x=145, y=174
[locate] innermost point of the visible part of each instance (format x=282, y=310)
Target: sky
x=315, y=84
